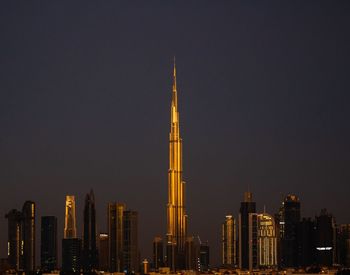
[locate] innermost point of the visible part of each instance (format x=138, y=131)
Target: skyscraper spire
x=176, y=215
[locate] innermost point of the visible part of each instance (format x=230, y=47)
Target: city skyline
x=263, y=105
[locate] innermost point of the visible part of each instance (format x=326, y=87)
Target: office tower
x=89, y=253
x=343, y=245
x=191, y=255
x=28, y=237
x=176, y=214
x=306, y=243
x=290, y=213
x=70, y=228
x=253, y=241
x=14, y=238
x=48, y=243
x=325, y=239
x=71, y=256
x=103, y=252
x=204, y=259
x=229, y=243
x=267, y=241
x=116, y=236
x=158, y=256
x=130, y=243
x=247, y=207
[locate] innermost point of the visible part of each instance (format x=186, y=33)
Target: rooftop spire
x=174, y=99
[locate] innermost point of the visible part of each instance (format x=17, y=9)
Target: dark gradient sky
x=264, y=104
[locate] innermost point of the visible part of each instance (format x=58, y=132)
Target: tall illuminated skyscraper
x=70, y=229
x=116, y=236
x=176, y=214
x=229, y=254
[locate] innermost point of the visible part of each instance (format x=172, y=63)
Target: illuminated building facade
x=90, y=261
x=48, y=252
x=229, y=254
x=158, y=255
x=70, y=228
x=267, y=241
x=130, y=242
x=247, y=207
x=116, y=237
x=290, y=215
x=176, y=214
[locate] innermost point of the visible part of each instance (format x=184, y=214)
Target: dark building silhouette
x=343, y=245
x=290, y=216
x=71, y=256
x=48, y=251
x=325, y=239
x=116, y=236
x=28, y=237
x=89, y=253
x=191, y=252
x=103, y=252
x=14, y=218
x=130, y=245
x=247, y=207
x=204, y=257
x=158, y=254
x=306, y=242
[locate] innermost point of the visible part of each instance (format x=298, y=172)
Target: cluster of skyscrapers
x=284, y=240
x=114, y=251
x=254, y=241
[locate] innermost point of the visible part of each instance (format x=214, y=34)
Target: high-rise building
x=48, y=243
x=191, y=253
x=229, y=242
x=28, y=237
x=247, y=207
x=130, y=242
x=306, y=242
x=71, y=256
x=103, y=252
x=176, y=213
x=70, y=228
x=89, y=253
x=116, y=236
x=267, y=241
x=204, y=257
x=262, y=241
x=290, y=214
x=343, y=245
x=158, y=255
x=14, y=246
x=325, y=239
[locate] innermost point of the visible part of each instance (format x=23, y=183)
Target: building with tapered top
x=70, y=220
x=176, y=213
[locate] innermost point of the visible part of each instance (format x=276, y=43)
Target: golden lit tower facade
x=70, y=228
x=176, y=215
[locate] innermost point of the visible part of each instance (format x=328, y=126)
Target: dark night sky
x=85, y=94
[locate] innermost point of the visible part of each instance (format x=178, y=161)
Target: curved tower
x=176, y=215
